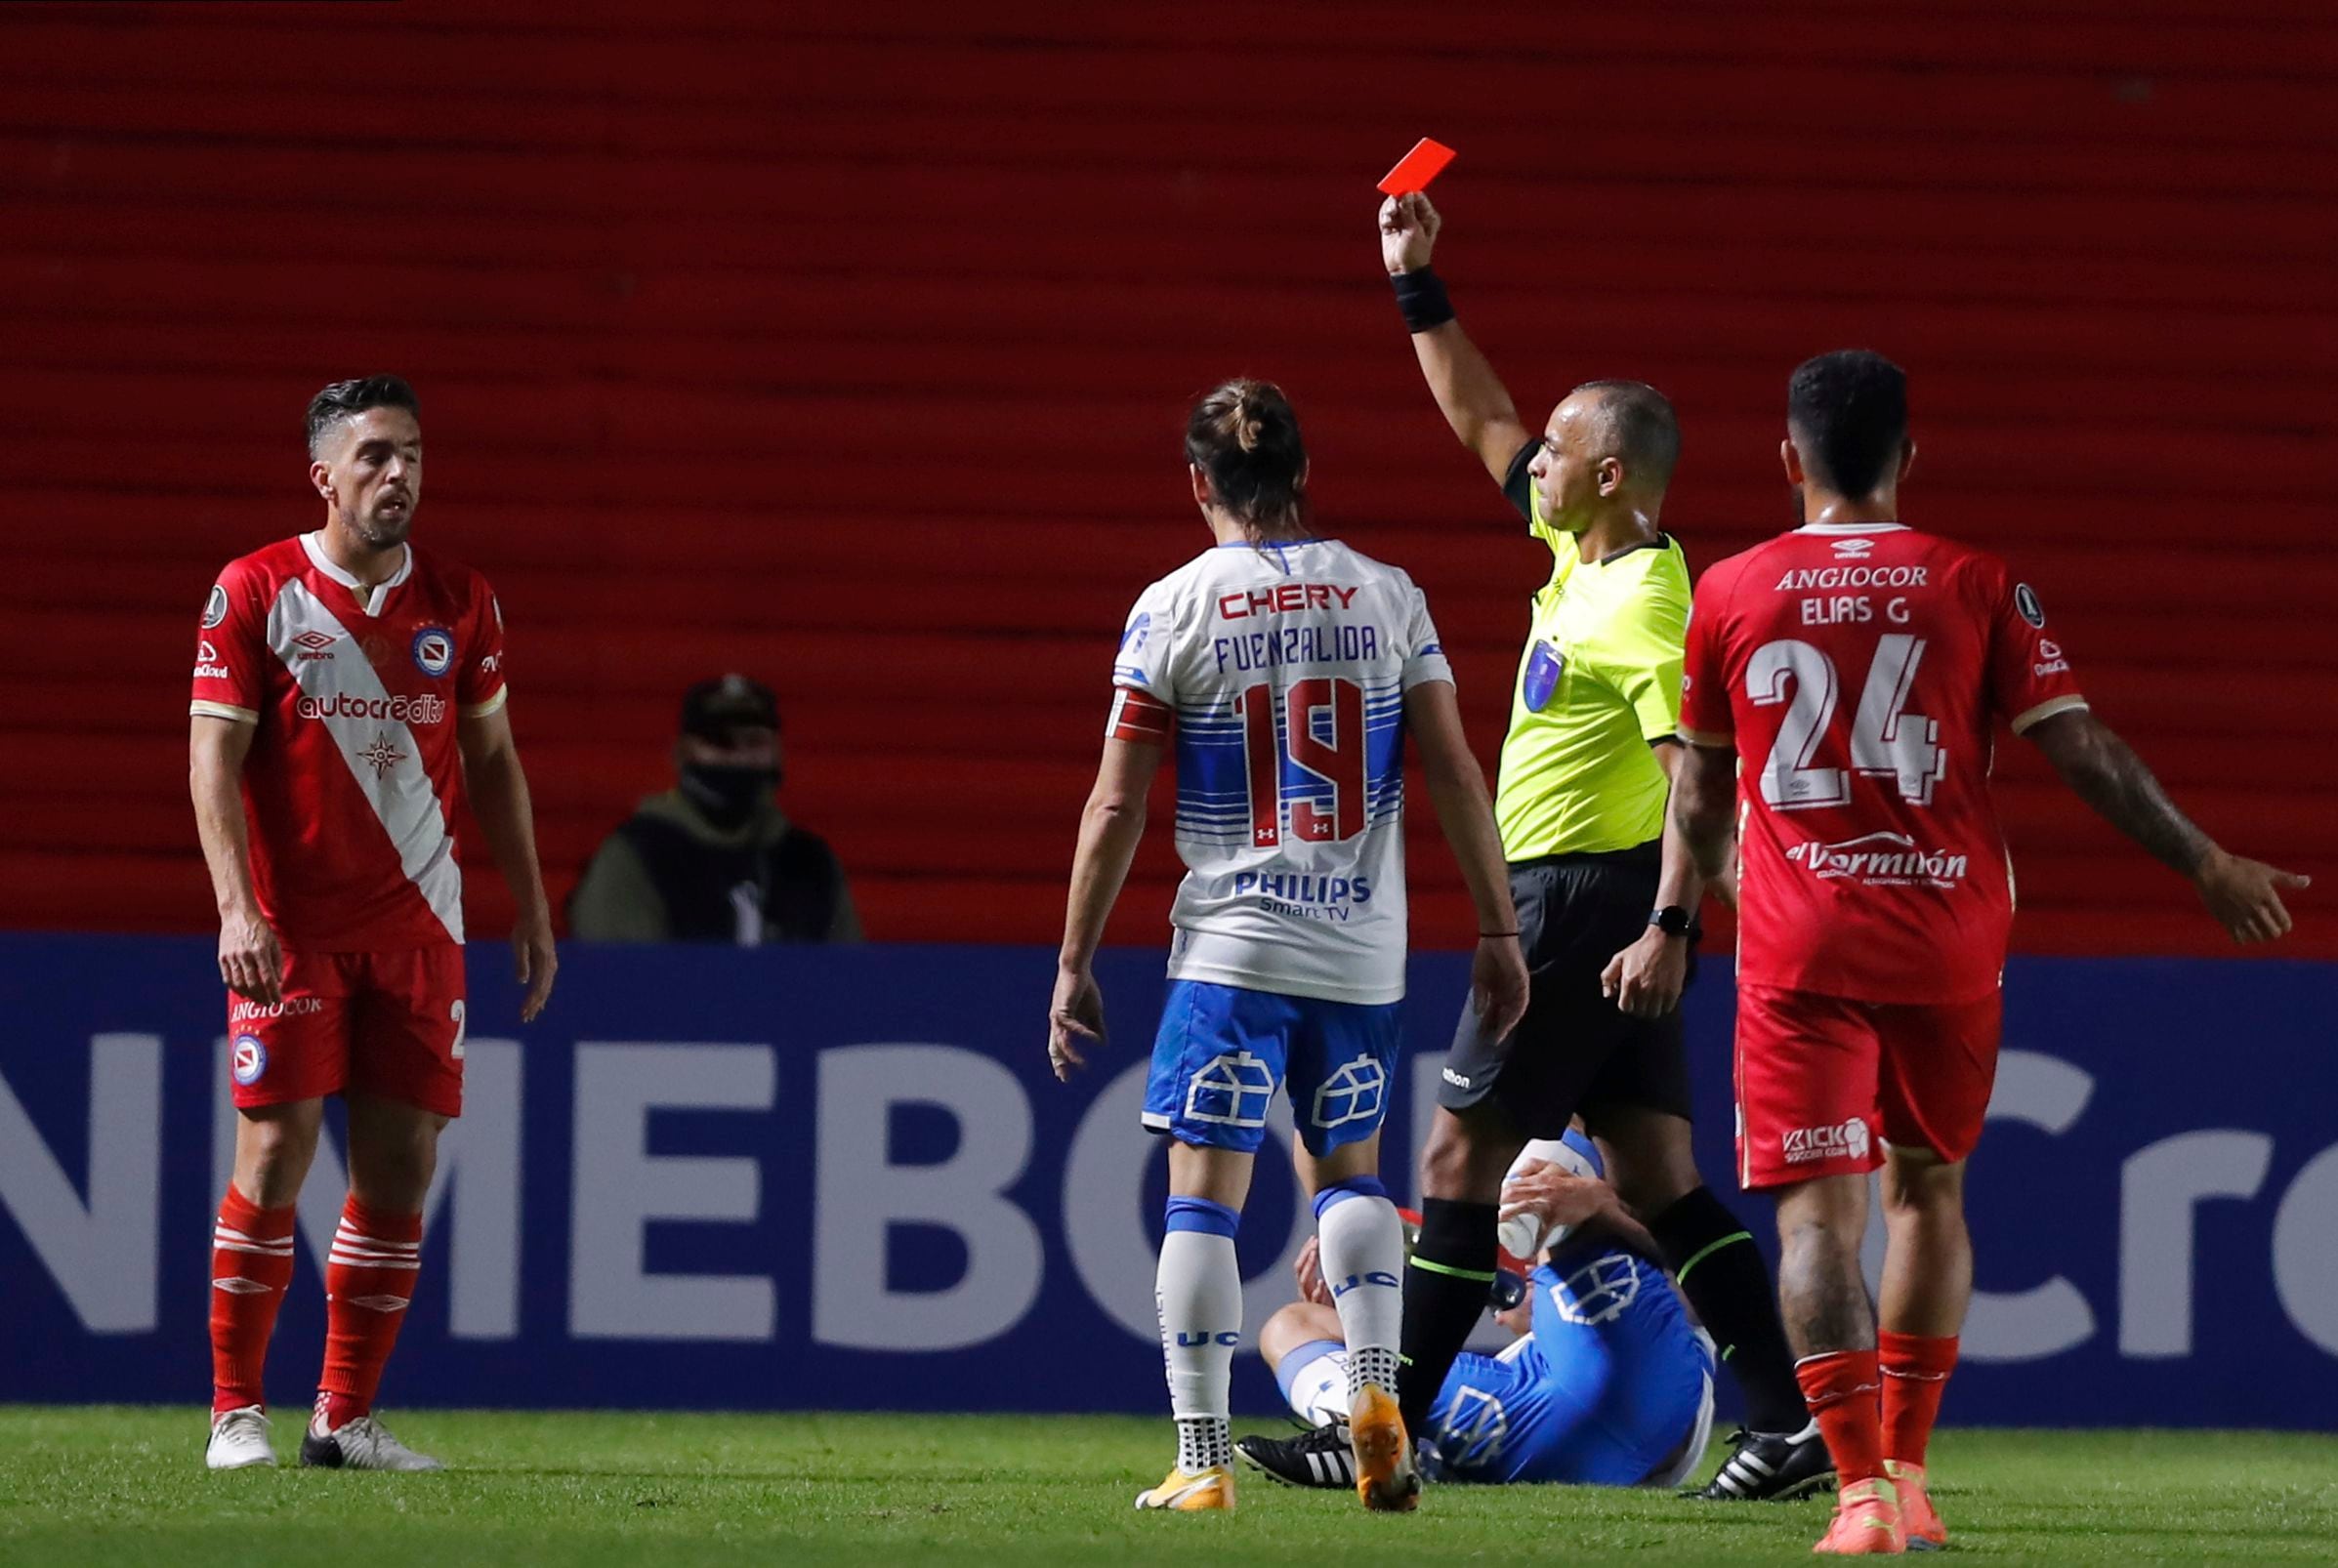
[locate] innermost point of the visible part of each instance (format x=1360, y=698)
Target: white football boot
x=361, y=1444
x=239, y=1440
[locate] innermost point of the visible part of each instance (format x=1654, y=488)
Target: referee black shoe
x=1319, y=1456
x=1771, y=1467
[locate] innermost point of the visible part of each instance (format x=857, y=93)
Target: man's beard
x=381, y=532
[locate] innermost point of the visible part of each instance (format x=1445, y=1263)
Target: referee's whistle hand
x=1498, y=985
x=1645, y=978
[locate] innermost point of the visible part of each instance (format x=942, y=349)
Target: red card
x=1413, y=171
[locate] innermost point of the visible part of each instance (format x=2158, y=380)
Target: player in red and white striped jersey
x=345, y=687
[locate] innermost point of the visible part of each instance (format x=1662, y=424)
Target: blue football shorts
x=1222, y=1051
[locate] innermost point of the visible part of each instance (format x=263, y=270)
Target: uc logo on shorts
x=248, y=1059
x=1353, y=1094
x=1231, y=1090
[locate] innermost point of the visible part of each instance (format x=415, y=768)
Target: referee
x=1586, y=768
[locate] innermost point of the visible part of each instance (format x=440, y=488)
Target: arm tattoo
x=2108, y=776
x=1704, y=791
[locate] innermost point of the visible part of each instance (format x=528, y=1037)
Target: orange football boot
x=1866, y=1523
x=1184, y=1493
x=1919, y=1520
x=1386, y=1478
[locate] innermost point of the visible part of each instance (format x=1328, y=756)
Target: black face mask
x=725, y=795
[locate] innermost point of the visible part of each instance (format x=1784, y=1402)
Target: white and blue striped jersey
x=1282, y=672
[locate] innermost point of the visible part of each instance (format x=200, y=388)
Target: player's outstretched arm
x=249, y=957
x=1110, y=827
x=498, y=789
x=2243, y=895
x=1457, y=790
x=1467, y=392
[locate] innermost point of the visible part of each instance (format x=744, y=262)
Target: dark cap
x=712, y=710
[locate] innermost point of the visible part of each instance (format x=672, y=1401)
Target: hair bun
x=1248, y=431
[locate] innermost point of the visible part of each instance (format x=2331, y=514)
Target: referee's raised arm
x=1468, y=393
x=1580, y=807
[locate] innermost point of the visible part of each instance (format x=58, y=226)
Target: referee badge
x=1544, y=665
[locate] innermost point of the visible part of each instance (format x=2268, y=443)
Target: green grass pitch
x=126, y=1485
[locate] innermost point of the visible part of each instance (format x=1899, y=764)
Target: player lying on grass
x=1293, y=671
x=1609, y=1383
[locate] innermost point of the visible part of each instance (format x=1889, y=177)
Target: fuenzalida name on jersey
x=1282, y=673
x=1312, y=641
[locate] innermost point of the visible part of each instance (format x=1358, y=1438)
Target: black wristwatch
x=1672, y=920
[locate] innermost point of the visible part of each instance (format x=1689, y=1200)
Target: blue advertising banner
x=831, y=1179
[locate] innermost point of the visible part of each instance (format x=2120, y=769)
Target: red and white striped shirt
x=353, y=779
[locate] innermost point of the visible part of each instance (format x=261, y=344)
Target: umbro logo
x=316, y=644
x=237, y=1285
x=1853, y=549
x=379, y=1303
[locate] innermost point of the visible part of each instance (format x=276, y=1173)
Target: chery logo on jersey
x=425, y=709
x=434, y=650
x=1848, y=1140
x=1282, y=600
x=1881, y=860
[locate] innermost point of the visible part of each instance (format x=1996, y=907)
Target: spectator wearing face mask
x=714, y=859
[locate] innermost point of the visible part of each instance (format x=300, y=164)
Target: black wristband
x=1421, y=296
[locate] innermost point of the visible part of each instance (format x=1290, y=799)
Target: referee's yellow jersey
x=1600, y=681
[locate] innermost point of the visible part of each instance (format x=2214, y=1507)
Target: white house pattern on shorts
x=1355, y=1092
x=1232, y=1089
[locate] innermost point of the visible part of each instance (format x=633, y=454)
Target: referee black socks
x=1447, y=1284
x=1727, y=1280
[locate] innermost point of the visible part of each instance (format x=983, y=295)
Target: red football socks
x=1915, y=1373
x=368, y=1280
x=251, y=1264
x=1843, y=1389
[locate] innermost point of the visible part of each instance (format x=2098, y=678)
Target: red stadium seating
x=850, y=346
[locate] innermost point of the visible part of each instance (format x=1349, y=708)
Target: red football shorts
x=385, y=1024
x=1823, y=1080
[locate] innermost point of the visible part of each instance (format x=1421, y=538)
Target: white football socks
x=1361, y=1242
x=1198, y=1292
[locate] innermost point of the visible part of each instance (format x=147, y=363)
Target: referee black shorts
x=1574, y=1051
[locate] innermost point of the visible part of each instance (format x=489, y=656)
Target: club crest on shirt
x=249, y=1059
x=1544, y=665
x=434, y=650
